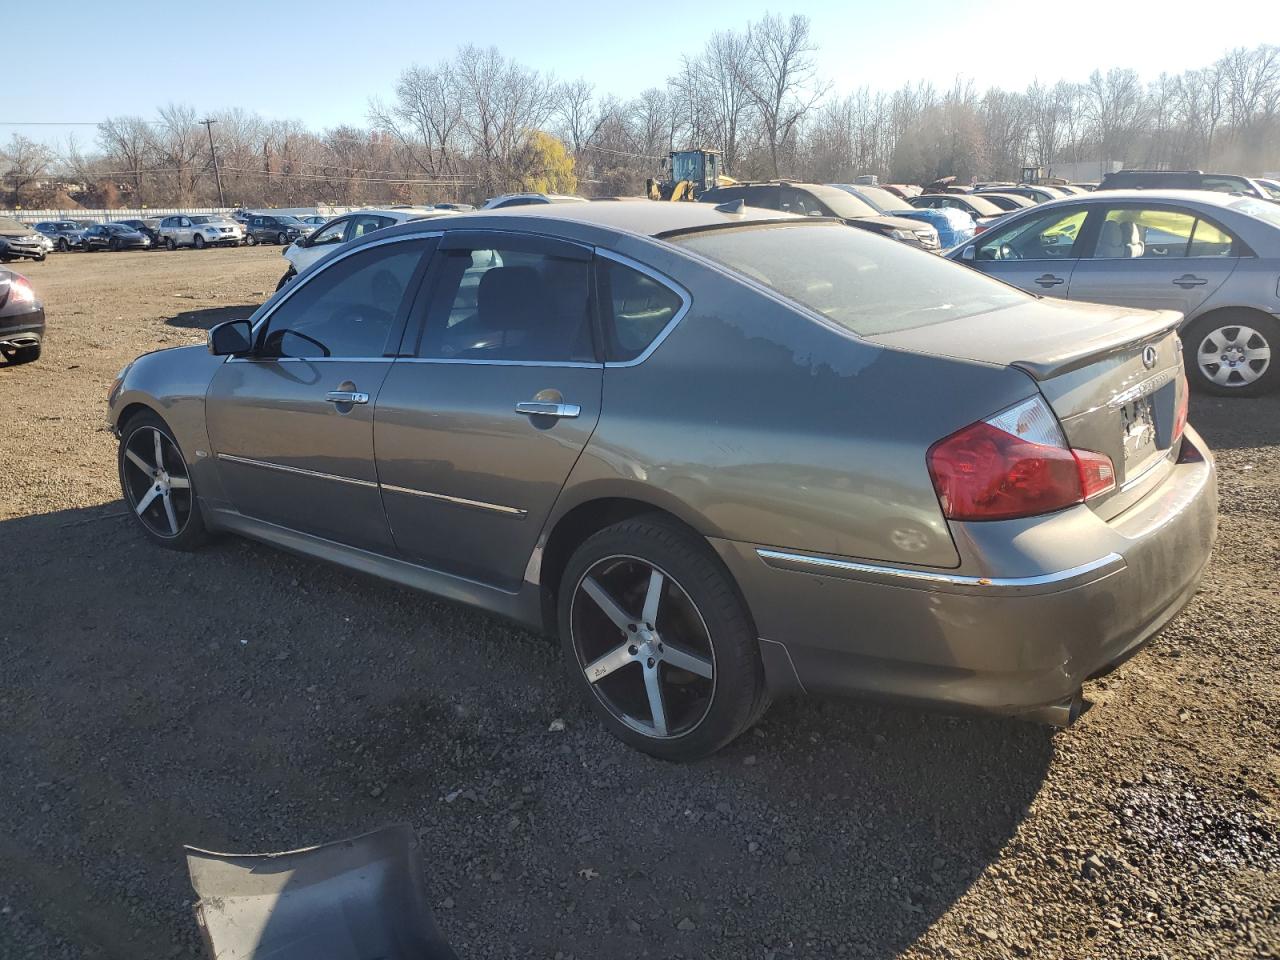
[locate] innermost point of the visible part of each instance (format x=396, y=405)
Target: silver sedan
x=1213, y=257
x=724, y=454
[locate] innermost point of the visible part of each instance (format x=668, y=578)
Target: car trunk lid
x=1113, y=376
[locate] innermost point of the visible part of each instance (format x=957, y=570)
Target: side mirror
x=969, y=253
x=231, y=338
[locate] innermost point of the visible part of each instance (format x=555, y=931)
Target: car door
x=1037, y=251
x=291, y=424
x=477, y=431
x=1156, y=256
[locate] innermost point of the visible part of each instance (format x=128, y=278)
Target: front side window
x=346, y=310
x=365, y=224
x=1050, y=236
x=852, y=277
x=333, y=233
x=639, y=308
x=503, y=304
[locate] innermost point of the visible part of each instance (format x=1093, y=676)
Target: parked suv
x=199, y=231
x=275, y=228
x=18, y=241
x=305, y=251
x=1183, y=180
x=817, y=200
x=65, y=234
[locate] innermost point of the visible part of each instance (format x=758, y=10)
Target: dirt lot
x=245, y=699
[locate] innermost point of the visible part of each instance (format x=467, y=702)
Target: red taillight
x=1180, y=415
x=1014, y=464
x=20, y=290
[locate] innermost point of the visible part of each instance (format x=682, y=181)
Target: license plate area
x=1139, y=435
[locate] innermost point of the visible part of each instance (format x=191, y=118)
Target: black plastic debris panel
x=357, y=899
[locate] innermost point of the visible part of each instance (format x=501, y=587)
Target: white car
x=525, y=199
x=305, y=251
x=201, y=230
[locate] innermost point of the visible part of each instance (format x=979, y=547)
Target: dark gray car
x=724, y=456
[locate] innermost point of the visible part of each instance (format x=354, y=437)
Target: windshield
x=853, y=277
x=1262, y=209
x=1272, y=189
x=845, y=205
x=13, y=226
x=883, y=200
x=203, y=219
x=983, y=206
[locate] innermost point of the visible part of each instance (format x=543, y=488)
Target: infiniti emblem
x=1149, y=357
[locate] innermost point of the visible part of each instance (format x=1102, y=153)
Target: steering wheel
x=1007, y=252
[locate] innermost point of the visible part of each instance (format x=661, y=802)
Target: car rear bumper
x=1073, y=597
x=22, y=330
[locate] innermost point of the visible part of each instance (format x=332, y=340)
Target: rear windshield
x=865, y=283
x=1261, y=209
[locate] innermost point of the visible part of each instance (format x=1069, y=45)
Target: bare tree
x=24, y=163
x=1116, y=107
x=782, y=82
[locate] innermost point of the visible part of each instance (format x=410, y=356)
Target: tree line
x=480, y=123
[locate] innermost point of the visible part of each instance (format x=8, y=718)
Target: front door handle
x=539, y=408
x=346, y=396
x=1189, y=280
x=1049, y=280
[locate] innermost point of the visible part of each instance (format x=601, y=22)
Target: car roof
x=1211, y=197
x=646, y=218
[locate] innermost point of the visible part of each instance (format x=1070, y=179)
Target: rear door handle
x=346, y=396
x=1049, y=280
x=538, y=408
x=1189, y=280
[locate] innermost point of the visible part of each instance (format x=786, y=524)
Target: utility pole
x=208, y=125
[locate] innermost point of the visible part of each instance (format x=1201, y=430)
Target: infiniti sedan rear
x=724, y=455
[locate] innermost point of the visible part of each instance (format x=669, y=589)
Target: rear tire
x=697, y=619
x=1233, y=353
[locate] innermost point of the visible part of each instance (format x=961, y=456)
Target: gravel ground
x=246, y=699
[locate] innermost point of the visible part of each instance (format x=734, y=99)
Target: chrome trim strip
x=501, y=363
x=514, y=512
x=652, y=274
x=299, y=471
x=928, y=579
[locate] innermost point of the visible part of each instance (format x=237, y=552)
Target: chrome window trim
x=298, y=471
x=949, y=582
x=596, y=365
x=514, y=512
x=686, y=302
x=310, y=274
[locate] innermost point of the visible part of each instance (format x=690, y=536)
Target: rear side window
x=503, y=304
x=852, y=277
x=639, y=308
x=1209, y=241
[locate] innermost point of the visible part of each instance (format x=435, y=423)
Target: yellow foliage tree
x=545, y=166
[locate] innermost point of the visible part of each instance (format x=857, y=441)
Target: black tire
x=281, y=239
x=62, y=245
x=115, y=245
x=170, y=243
x=23, y=355
x=198, y=242
x=192, y=532
x=250, y=240
x=288, y=275
x=737, y=697
x=1219, y=353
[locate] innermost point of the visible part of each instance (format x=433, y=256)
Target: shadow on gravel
x=243, y=699
x=211, y=316
x=1233, y=422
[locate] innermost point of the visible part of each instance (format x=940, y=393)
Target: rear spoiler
x=1149, y=326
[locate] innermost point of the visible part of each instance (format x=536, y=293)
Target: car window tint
x=501, y=304
x=347, y=309
x=364, y=224
x=639, y=306
x=1050, y=236
x=852, y=277
x=1130, y=233
x=1210, y=241
x=797, y=201
x=333, y=233
x=1223, y=184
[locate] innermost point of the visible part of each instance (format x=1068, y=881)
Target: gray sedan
x=1213, y=257
x=724, y=455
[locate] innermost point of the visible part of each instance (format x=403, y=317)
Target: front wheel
x=251, y=241
x=156, y=484
x=170, y=243
x=1229, y=353
x=281, y=239
x=198, y=242
x=115, y=245
x=288, y=275
x=655, y=634
x=63, y=247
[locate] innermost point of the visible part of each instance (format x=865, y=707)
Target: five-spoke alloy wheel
x=653, y=628
x=156, y=484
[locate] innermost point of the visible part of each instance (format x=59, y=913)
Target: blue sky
x=321, y=60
